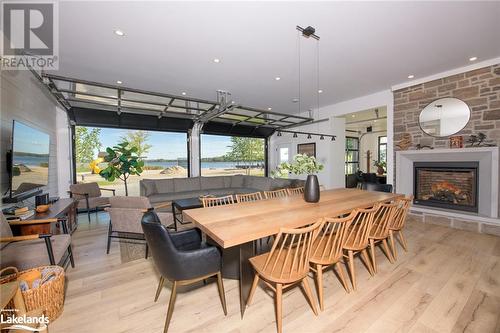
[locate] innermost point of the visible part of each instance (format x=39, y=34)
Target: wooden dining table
x=238, y=226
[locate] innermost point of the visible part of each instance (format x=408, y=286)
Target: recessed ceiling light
x=354, y=116
x=216, y=60
x=295, y=100
x=320, y=91
x=119, y=82
x=374, y=121
x=472, y=58
x=119, y=32
x=269, y=109
x=411, y=76
x=277, y=78
x=183, y=93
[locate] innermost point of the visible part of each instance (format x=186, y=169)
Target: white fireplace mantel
x=489, y=174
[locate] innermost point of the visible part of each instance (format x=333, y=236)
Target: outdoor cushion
x=164, y=185
x=33, y=253
x=129, y=219
x=92, y=189
x=187, y=184
x=148, y=187
x=237, y=181
x=212, y=182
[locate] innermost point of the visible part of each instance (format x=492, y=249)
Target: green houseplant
x=380, y=166
x=123, y=162
x=303, y=164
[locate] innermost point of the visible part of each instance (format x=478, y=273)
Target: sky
x=30, y=140
x=168, y=145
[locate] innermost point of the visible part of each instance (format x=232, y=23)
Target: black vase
x=311, y=190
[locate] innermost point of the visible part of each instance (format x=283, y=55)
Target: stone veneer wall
x=480, y=89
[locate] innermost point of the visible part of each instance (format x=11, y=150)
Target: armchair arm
x=18, y=238
x=29, y=222
x=199, y=262
x=108, y=189
x=186, y=239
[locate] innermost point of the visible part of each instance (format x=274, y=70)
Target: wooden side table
x=40, y=223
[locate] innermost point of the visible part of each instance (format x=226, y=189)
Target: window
x=382, y=149
x=351, y=155
x=164, y=154
x=232, y=155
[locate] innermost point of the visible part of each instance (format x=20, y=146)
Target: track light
x=295, y=135
x=333, y=138
x=279, y=133
x=308, y=136
x=322, y=137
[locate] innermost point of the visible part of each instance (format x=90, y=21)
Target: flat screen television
x=29, y=169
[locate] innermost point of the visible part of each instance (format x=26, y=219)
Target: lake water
x=204, y=165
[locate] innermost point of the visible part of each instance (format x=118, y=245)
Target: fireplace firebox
x=449, y=185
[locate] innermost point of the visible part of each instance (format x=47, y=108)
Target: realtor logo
x=30, y=35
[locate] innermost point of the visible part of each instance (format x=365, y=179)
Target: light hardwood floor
x=449, y=281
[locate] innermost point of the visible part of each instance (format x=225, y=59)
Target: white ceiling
x=365, y=47
x=359, y=121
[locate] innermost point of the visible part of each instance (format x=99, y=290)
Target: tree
x=246, y=150
x=86, y=143
x=122, y=162
x=139, y=140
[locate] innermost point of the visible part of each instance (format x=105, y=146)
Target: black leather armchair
x=377, y=187
x=182, y=258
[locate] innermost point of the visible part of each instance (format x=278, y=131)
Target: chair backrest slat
x=383, y=217
x=290, y=253
x=295, y=191
x=256, y=196
x=358, y=231
x=220, y=201
x=399, y=220
x=276, y=194
x=328, y=245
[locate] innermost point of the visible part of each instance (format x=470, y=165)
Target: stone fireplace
x=449, y=185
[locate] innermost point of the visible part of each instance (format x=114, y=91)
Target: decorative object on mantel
x=405, y=142
x=420, y=147
x=456, y=141
x=303, y=165
x=381, y=165
x=479, y=141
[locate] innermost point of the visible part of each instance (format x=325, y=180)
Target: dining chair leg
x=160, y=287
x=222, y=295
x=308, y=293
x=340, y=270
x=372, y=252
x=388, y=253
x=170, y=306
x=403, y=240
x=366, y=259
x=252, y=289
x=279, y=294
x=319, y=285
x=351, y=269
x=393, y=246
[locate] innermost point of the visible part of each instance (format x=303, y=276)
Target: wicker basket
x=49, y=297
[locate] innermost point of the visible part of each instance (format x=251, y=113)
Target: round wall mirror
x=444, y=117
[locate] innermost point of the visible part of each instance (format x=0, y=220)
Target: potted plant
x=380, y=166
x=123, y=161
x=303, y=164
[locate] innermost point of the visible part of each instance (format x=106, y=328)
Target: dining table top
x=232, y=225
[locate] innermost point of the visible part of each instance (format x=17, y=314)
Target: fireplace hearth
x=449, y=185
